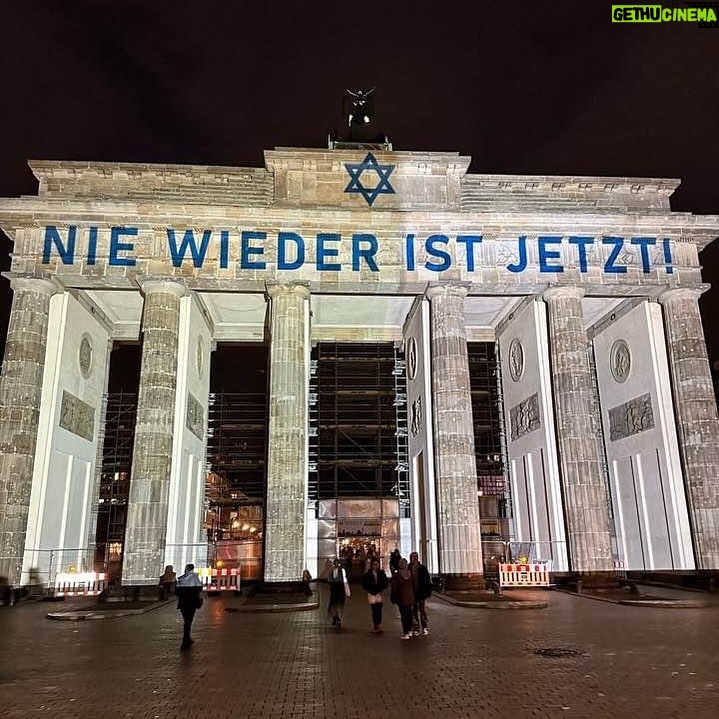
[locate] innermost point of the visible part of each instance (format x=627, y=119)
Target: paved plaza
x=629, y=662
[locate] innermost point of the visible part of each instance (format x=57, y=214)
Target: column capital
x=560, y=292
x=453, y=289
x=163, y=286
x=274, y=289
x=47, y=284
x=675, y=294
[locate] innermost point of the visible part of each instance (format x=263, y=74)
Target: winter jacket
x=375, y=585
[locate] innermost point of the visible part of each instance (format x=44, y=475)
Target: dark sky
x=526, y=87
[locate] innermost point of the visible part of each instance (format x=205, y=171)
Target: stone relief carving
x=200, y=356
x=524, y=417
x=195, y=420
x=626, y=257
x=506, y=253
x=620, y=360
x=412, y=358
x=516, y=359
x=77, y=416
x=416, y=419
x=630, y=418
x=85, y=356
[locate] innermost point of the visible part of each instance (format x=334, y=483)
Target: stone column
x=144, y=550
x=696, y=413
x=21, y=387
x=460, y=541
x=288, y=427
x=579, y=434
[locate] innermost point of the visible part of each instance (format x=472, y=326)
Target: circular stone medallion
x=85, y=356
x=516, y=359
x=620, y=360
x=412, y=358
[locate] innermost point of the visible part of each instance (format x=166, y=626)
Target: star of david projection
x=369, y=164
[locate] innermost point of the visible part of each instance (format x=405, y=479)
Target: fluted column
x=579, y=434
x=288, y=428
x=152, y=451
x=21, y=387
x=696, y=413
x=460, y=543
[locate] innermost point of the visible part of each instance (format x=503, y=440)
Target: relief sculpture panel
x=524, y=417
x=630, y=418
x=77, y=416
x=195, y=416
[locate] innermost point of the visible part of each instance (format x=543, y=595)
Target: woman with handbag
x=374, y=583
x=339, y=591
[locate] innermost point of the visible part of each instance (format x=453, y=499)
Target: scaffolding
x=237, y=441
x=117, y=447
x=402, y=486
x=486, y=416
x=356, y=420
x=313, y=449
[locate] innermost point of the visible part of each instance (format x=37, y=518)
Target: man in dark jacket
x=394, y=558
x=189, y=598
x=422, y=590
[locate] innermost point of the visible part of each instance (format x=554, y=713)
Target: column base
x=264, y=588
x=589, y=582
x=706, y=580
x=463, y=582
x=132, y=593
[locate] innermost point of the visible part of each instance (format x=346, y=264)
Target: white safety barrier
x=219, y=580
x=524, y=575
x=78, y=584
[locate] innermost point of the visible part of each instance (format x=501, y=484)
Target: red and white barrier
x=524, y=575
x=220, y=580
x=78, y=584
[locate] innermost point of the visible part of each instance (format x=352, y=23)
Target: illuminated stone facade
x=588, y=286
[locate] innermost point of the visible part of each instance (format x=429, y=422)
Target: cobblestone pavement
x=632, y=662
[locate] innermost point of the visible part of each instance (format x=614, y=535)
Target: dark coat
x=188, y=598
x=422, y=581
x=372, y=585
x=337, y=580
x=402, y=591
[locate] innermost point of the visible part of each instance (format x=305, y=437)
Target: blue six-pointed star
x=369, y=164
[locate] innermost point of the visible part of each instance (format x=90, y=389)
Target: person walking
x=402, y=595
x=422, y=585
x=394, y=558
x=374, y=583
x=188, y=589
x=339, y=591
x=167, y=582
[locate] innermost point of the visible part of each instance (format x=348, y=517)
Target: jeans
x=376, y=614
x=419, y=615
x=405, y=612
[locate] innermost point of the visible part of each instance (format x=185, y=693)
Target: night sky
x=530, y=87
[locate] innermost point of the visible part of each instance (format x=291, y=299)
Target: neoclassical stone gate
x=588, y=286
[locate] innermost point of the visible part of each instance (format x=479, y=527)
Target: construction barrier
x=78, y=584
x=220, y=580
x=524, y=575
